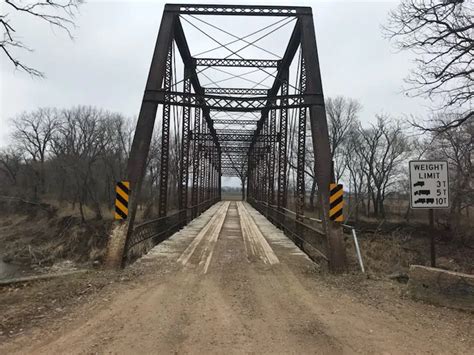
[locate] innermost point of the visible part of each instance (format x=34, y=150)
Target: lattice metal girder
x=234, y=160
x=237, y=166
x=234, y=131
x=235, y=91
x=227, y=155
x=229, y=103
x=230, y=137
x=185, y=145
x=234, y=122
x=234, y=149
x=229, y=172
x=245, y=10
x=242, y=155
x=236, y=169
x=249, y=63
x=165, y=139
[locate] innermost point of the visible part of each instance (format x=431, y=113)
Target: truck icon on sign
x=419, y=183
x=422, y=192
x=424, y=200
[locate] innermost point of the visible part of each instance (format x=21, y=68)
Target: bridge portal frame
x=311, y=100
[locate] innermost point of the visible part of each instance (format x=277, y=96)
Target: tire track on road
x=199, y=252
x=256, y=246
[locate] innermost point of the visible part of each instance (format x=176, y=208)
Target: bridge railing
x=150, y=233
x=308, y=238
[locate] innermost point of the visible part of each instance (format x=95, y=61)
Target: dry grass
x=31, y=235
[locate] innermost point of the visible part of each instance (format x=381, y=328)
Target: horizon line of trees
x=76, y=156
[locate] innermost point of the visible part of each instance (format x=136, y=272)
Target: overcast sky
x=107, y=63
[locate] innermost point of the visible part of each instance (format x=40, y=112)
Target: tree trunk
x=83, y=218
x=356, y=197
x=368, y=202
x=375, y=203
x=381, y=207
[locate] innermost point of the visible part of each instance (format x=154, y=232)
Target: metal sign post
x=429, y=189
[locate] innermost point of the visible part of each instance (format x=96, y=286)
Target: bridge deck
x=230, y=282
x=229, y=233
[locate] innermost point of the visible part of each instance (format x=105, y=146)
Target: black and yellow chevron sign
x=336, y=202
x=121, y=200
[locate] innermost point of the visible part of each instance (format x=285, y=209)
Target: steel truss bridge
x=242, y=131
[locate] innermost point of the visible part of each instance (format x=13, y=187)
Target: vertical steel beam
x=196, y=161
x=165, y=140
x=300, y=186
x=208, y=175
x=202, y=170
x=272, y=156
x=282, y=145
x=250, y=174
x=184, y=167
x=215, y=174
x=258, y=176
x=264, y=161
x=136, y=166
x=321, y=147
x=213, y=170
x=219, y=185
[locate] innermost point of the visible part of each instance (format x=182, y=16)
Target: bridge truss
x=258, y=133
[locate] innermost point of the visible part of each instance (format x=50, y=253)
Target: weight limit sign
x=429, y=185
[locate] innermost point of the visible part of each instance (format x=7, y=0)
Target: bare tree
x=441, y=34
x=342, y=114
x=34, y=132
x=382, y=147
x=10, y=163
x=356, y=167
x=456, y=146
x=57, y=13
x=84, y=138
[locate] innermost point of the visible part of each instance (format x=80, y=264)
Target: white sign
x=429, y=187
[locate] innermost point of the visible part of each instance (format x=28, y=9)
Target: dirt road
x=231, y=283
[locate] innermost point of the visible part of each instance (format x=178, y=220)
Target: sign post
x=429, y=189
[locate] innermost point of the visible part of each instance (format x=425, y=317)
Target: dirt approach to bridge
x=230, y=282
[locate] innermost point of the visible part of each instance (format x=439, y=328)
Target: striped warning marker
x=336, y=202
x=121, y=200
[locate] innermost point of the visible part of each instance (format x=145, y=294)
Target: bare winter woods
x=75, y=156
x=372, y=160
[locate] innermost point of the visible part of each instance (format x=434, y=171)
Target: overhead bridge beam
x=246, y=10
x=245, y=149
x=247, y=63
x=235, y=91
x=234, y=122
x=233, y=131
x=233, y=137
x=230, y=103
